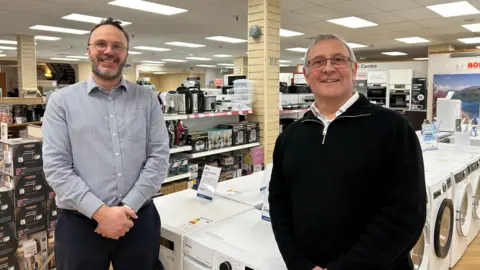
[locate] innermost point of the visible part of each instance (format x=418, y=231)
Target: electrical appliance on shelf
x=184, y=100
x=448, y=111
x=184, y=213
x=242, y=242
x=399, y=96
x=377, y=87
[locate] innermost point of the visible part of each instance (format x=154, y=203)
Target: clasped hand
x=114, y=222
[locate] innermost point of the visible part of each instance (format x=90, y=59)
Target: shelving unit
x=23, y=101
x=177, y=177
x=293, y=111
x=204, y=115
x=180, y=149
x=219, y=151
x=25, y=124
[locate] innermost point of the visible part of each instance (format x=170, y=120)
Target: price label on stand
x=208, y=182
x=266, y=207
x=429, y=135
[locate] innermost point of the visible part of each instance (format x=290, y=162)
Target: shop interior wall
x=420, y=68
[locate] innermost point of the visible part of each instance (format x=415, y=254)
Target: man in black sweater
x=347, y=190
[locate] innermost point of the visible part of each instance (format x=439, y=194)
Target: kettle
x=198, y=100
x=184, y=100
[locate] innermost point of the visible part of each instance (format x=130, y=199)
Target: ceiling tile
x=297, y=4
x=319, y=12
x=389, y=5
x=433, y=23
x=413, y=14
x=403, y=26
x=319, y=2
x=383, y=18
x=353, y=8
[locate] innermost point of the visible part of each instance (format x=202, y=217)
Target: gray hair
x=323, y=37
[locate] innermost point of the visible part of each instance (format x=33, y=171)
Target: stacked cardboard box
x=27, y=204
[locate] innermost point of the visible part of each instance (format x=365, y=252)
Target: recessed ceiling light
x=394, y=53
x=284, y=65
x=352, y=22
x=148, y=48
x=226, y=39
x=185, y=44
x=148, y=7
x=420, y=58
x=59, y=29
x=454, y=9
x=152, y=62
x=77, y=57
x=470, y=40
x=222, y=55
x=12, y=42
x=47, y=38
x=88, y=19
x=289, y=33
x=175, y=60
x=285, y=61
x=64, y=59
x=134, y=52
x=3, y=55
x=7, y=48
x=356, y=45
x=297, y=49
x=225, y=64
x=198, y=58
x=210, y=66
x=412, y=40
x=475, y=27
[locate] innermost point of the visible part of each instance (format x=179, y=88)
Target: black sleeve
x=396, y=229
x=281, y=214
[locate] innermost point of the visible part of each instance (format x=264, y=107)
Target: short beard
x=108, y=76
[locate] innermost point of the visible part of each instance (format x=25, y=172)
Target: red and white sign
x=473, y=65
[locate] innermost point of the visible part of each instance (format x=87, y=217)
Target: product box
x=9, y=262
x=29, y=187
x=8, y=241
x=52, y=214
x=174, y=164
x=227, y=137
x=19, y=156
x=215, y=139
x=253, y=132
x=198, y=141
x=32, y=251
x=50, y=194
x=30, y=219
x=226, y=160
x=50, y=250
x=253, y=156
x=238, y=133
x=6, y=205
x=181, y=185
x=183, y=168
x=7, y=110
x=193, y=167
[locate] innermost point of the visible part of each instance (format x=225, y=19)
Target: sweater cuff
x=89, y=204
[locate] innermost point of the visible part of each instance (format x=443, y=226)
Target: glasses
x=102, y=46
x=337, y=61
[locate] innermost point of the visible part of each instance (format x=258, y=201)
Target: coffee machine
x=184, y=100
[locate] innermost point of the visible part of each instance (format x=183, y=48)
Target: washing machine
x=439, y=223
x=183, y=213
x=458, y=163
x=474, y=181
x=244, y=242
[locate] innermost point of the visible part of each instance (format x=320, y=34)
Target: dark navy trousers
x=77, y=246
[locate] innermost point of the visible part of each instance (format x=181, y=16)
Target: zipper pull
x=324, y=134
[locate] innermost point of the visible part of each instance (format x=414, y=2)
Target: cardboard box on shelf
x=183, y=168
x=253, y=156
x=198, y=141
x=9, y=261
x=181, y=185
x=30, y=219
x=253, y=132
x=52, y=214
x=8, y=240
x=168, y=188
x=238, y=133
x=19, y=156
x=29, y=187
x=6, y=205
x=50, y=250
x=192, y=167
x=32, y=251
x=226, y=160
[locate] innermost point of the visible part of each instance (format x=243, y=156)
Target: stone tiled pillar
x=27, y=63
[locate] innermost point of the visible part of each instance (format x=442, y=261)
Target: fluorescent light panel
x=284, y=65
x=7, y=48
x=285, y=61
x=209, y=66
x=3, y=55
x=475, y=27
x=198, y=58
x=394, y=53
x=222, y=55
x=412, y=40
x=59, y=29
x=134, y=52
x=454, y=9
x=11, y=42
x=77, y=57
x=420, y=58
x=47, y=38
x=225, y=64
x=64, y=59
x=472, y=40
x=152, y=62
x=297, y=49
x=175, y=60
x=149, y=48
x=356, y=45
x=289, y=33
x=148, y=7
x=226, y=39
x=352, y=22
x=184, y=44
x=88, y=19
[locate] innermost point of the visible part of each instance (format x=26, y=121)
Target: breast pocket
x=136, y=125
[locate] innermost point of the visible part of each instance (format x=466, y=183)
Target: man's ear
x=354, y=71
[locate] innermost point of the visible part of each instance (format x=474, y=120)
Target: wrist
x=100, y=213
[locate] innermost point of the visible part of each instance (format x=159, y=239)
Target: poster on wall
x=465, y=87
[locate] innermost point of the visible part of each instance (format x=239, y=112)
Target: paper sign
x=266, y=177
x=450, y=94
x=266, y=207
x=29, y=248
x=18, y=120
x=208, y=182
x=429, y=135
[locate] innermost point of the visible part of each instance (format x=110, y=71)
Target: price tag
x=266, y=177
x=266, y=207
x=208, y=182
x=201, y=115
x=18, y=120
x=229, y=113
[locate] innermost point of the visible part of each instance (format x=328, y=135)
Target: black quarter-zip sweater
x=353, y=199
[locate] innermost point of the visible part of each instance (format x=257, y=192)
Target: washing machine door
x=476, y=200
x=420, y=253
x=463, y=216
x=442, y=236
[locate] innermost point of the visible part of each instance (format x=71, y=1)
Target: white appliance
x=474, y=181
x=458, y=164
x=439, y=222
x=241, y=243
x=182, y=213
x=245, y=189
x=448, y=110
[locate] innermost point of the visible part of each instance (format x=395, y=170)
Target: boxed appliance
x=181, y=185
x=238, y=133
x=32, y=251
x=7, y=110
x=20, y=156
x=215, y=139
x=29, y=188
x=50, y=194
x=183, y=168
x=226, y=160
x=173, y=166
x=52, y=214
x=253, y=132
x=227, y=137
x=6, y=205
x=8, y=241
x=30, y=219
x=198, y=141
x=9, y=262
x=253, y=159
x=51, y=245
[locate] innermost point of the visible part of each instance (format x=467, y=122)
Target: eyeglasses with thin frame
x=336, y=61
x=102, y=45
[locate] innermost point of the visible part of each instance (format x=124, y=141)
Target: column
x=84, y=71
x=130, y=71
x=240, y=65
x=264, y=70
x=27, y=64
x=440, y=48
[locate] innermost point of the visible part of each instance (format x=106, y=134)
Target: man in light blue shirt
x=105, y=154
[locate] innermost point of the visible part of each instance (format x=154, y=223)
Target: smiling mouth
x=108, y=61
x=330, y=81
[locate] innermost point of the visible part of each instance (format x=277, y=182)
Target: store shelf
x=180, y=149
x=177, y=177
x=293, y=111
x=25, y=124
x=207, y=114
x=219, y=151
x=22, y=101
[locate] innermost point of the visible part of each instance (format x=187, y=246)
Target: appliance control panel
x=223, y=262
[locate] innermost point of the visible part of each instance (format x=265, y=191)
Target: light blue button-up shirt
x=104, y=148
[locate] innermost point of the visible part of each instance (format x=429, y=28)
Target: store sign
x=473, y=65
x=368, y=66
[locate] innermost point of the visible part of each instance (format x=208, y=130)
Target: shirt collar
x=341, y=110
x=91, y=84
